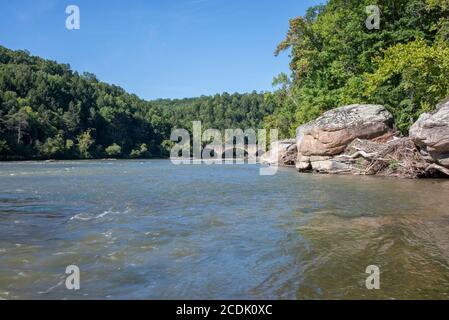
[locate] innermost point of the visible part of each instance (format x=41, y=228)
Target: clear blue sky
x=159, y=49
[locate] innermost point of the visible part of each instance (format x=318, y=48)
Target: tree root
x=398, y=157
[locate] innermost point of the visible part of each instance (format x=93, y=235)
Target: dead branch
x=437, y=168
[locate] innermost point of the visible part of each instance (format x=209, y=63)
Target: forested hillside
x=49, y=111
x=337, y=60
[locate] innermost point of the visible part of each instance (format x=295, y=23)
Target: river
x=152, y=230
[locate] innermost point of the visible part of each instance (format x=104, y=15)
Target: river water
x=152, y=230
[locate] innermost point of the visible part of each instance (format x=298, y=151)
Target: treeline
x=48, y=111
x=225, y=111
x=337, y=60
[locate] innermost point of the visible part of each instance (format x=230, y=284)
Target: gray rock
x=303, y=166
x=431, y=134
x=330, y=166
x=330, y=134
x=283, y=153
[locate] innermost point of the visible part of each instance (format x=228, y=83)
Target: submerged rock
x=330, y=134
x=431, y=134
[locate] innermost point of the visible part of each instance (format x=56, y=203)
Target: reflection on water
x=151, y=230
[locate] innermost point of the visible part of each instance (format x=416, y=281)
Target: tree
x=284, y=117
x=410, y=79
x=3, y=147
x=141, y=152
x=332, y=51
x=48, y=110
x=19, y=122
x=53, y=146
x=85, y=142
x=114, y=150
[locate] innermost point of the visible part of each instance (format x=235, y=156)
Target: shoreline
x=362, y=140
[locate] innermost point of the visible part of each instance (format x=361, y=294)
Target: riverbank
x=361, y=140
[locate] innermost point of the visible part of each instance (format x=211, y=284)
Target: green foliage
x=220, y=112
x=332, y=51
x=53, y=147
x=114, y=150
x=19, y=121
x=69, y=144
x=444, y=4
x=85, y=143
x=410, y=79
x=49, y=111
x=3, y=146
x=167, y=146
x=141, y=152
x=284, y=117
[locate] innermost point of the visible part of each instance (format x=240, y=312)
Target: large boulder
x=330, y=134
x=431, y=134
x=283, y=153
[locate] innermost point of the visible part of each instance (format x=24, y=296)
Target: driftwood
x=437, y=168
x=359, y=154
x=398, y=157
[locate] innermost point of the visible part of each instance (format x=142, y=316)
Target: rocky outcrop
x=431, y=134
x=321, y=140
x=330, y=134
x=359, y=139
x=283, y=153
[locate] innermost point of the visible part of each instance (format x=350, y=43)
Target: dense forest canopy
x=48, y=111
x=336, y=60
